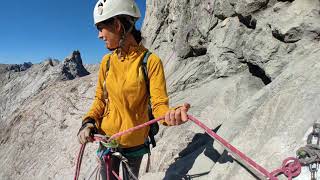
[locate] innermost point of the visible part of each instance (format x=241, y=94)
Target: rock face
x=73, y=67
x=250, y=70
x=247, y=67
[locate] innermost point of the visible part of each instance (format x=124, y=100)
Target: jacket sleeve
x=158, y=90
x=99, y=104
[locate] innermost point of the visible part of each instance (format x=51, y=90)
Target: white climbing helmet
x=106, y=9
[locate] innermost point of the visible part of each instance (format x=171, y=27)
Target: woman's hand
x=84, y=134
x=178, y=116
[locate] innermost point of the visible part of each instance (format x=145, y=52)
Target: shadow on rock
x=201, y=143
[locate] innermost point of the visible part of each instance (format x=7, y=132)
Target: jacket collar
x=133, y=53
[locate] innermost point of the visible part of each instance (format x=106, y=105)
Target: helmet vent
x=100, y=9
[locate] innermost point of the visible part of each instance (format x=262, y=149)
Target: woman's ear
x=117, y=26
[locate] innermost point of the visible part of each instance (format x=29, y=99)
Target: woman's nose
x=100, y=35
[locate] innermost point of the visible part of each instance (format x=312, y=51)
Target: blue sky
x=35, y=30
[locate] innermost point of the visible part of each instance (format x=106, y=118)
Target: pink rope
x=116, y=175
x=290, y=169
x=107, y=166
x=79, y=160
x=96, y=138
x=233, y=149
x=135, y=128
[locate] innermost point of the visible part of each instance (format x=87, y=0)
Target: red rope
x=135, y=128
x=232, y=149
x=290, y=169
x=79, y=160
x=107, y=166
x=116, y=175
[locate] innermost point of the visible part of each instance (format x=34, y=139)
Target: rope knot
x=291, y=167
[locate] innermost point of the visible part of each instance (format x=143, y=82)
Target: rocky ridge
x=35, y=125
x=250, y=69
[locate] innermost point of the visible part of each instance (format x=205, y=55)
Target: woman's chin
x=110, y=48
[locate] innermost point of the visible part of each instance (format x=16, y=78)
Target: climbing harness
x=107, y=148
x=291, y=166
x=309, y=155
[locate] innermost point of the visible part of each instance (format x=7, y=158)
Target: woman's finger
x=82, y=138
x=184, y=115
x=186, y=106
x=167, y=117
x=177, y=116
x=172, y=118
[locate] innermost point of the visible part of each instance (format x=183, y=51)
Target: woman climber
x=122, y=92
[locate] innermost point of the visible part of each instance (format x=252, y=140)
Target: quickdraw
x=309, y=155
x=291, y=166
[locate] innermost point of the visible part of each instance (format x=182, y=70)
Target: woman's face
x=110, y=34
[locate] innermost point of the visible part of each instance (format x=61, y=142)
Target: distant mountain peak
x=19, y=67
x=73, y=67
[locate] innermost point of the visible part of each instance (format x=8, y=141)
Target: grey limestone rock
x=277, y=42
x=249, y=69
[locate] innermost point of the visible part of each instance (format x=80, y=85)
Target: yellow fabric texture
x=127, y=103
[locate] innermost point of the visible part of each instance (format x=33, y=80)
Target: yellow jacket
x=127, y=104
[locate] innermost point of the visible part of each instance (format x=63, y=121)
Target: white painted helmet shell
x=106, y=9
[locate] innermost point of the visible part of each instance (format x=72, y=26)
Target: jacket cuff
x=85, y=123
x=88, y=120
